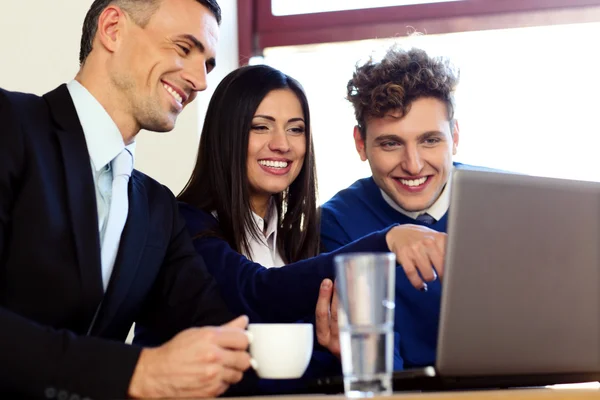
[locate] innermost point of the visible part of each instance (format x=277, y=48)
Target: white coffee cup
x=281, y=351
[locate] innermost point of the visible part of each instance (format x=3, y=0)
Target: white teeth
x=173, y=93
x=273, y=164
x=413, y=182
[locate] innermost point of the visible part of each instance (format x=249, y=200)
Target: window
x=527, y=101
x=271, y=23
x=287, y=7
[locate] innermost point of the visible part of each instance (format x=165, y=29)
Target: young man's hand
x=420, y=251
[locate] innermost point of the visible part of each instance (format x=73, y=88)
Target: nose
x=412, y=162
x=279, y=141
x=195, y=75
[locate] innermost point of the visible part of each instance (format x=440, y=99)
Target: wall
x=39, y=40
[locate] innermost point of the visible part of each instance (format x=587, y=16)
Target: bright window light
x=527, y=100
x=290, y=7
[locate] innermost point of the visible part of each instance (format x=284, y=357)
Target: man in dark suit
x=88, y=246
x=67, y=301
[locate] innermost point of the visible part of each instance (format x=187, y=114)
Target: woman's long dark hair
x=219, y=181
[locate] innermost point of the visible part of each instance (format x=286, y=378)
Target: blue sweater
x=360, y=210
x=285, y=294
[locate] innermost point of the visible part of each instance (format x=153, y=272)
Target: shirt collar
x=270, y=220
x=102, y=136
x=437, y=210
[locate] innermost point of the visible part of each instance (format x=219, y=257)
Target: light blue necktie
x=121, y=166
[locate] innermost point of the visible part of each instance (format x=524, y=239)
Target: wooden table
x=524, y=394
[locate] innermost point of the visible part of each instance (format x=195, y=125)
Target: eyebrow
x=201, y=48
x=273, y=119
x=422, y=136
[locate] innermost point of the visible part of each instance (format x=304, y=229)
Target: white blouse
x=264, y=250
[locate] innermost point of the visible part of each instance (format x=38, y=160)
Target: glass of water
x=366, y=290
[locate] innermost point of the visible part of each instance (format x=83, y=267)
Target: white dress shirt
x=264, y=250
x=104, y=142
x=437, y=210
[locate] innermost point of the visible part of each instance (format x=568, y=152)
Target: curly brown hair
x=399, y=79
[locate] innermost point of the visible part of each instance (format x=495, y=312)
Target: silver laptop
x=521, y=289
x=521, y=292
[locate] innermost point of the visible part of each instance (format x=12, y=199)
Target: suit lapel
x=81, y=194
x=131, y=247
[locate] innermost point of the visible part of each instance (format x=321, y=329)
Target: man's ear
x=359, y=142
x=110, y=27
x=455, y=136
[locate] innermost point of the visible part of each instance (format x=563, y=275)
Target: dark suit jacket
x=58, y=331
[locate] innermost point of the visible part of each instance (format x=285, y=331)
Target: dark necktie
x=426, y=219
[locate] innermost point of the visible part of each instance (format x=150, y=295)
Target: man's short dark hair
x=139, y=10
x=395, y=82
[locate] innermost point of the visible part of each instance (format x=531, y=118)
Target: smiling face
x=276, y=145
x=411, y=157
x=158, y=69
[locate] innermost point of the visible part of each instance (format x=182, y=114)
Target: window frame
x=258, y=28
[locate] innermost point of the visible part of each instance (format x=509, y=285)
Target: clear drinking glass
x=366, y=289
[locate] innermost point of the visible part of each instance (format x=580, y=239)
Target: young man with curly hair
x=404, y=107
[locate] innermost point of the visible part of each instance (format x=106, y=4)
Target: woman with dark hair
x=254, y=183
